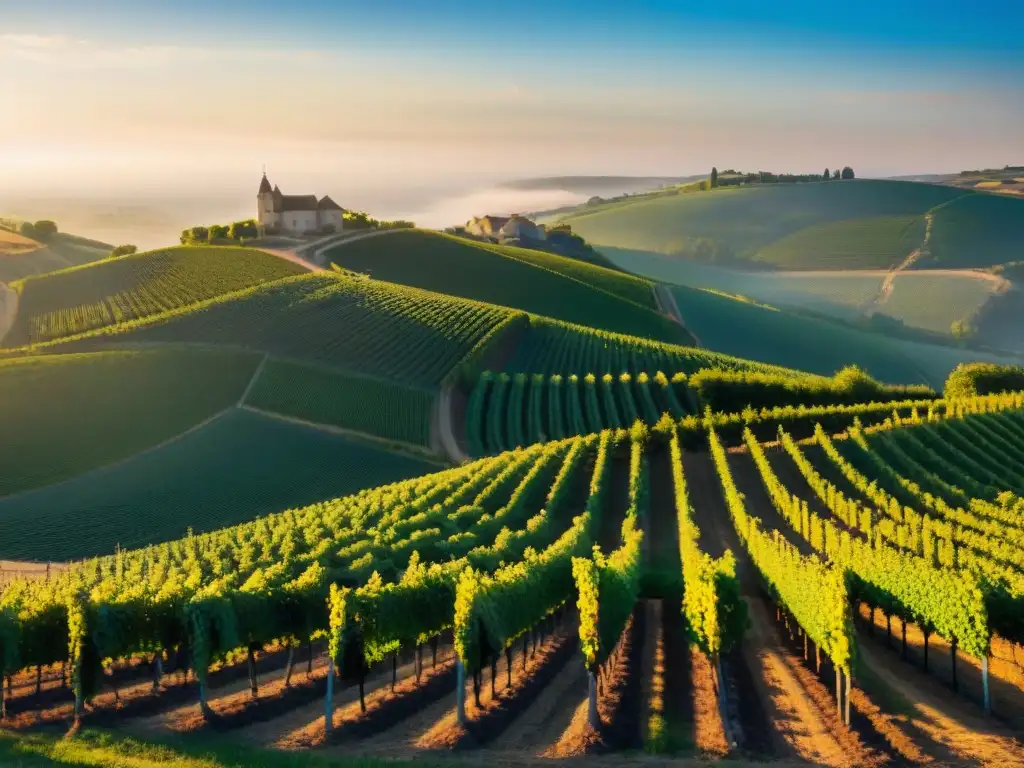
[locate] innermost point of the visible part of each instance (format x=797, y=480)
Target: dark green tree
x=826, y=176
x=714, y=177
x=835, y=174
x=847, y=172
x=123, y=250
x=45, y=228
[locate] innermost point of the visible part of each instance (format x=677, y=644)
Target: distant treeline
x=732, y=178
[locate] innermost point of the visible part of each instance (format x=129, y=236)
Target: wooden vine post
x=329, y=699
x=984, y=684
x=460, y=691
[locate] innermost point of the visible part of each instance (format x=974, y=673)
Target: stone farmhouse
x=278, y=213
x=514, y=227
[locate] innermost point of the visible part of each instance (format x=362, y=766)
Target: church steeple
x=264, y=185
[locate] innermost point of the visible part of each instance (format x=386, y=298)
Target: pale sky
x=198, y=96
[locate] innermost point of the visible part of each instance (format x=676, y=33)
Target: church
x=278, y=213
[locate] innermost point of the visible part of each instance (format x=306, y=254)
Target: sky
x=406, y=104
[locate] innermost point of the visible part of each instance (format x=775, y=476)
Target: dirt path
x=780, y=720
x=8, y=309
x=666, y=303
x=758, y=503
x=957, y=726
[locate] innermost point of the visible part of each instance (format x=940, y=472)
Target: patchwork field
x=119, y=291
x=931, y=300
x=511, y=278
x=731, y=225
x=877, y=242
x=234, y=469
x=64, y=415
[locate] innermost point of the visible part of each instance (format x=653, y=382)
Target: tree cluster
x=733, y=178
x=43, y=229
x=236, y=232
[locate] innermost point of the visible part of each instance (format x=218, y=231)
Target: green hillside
x=238, y=467
x=626, y=286
x=511, y=277
x=550, y=347
x=371, y=406
x=875, y=242
x=359, y=325
x=21, y=257
x=116, y=291
x=978, y=230
x=737, y=225
x=68, y=414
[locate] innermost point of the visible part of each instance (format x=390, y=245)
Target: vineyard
x=370, y=406
x=235, y=468
x=551, y=347
x=541, y=284
x=977, y=231
x=517, y=604
x=117, y=291
x=64, y=415
x=364, y=326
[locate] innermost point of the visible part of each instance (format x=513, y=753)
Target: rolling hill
x=117, y=291
x=532, y=281
x=21, y=257
x=817, y=225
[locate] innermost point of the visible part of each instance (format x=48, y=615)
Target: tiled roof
x=327, y=204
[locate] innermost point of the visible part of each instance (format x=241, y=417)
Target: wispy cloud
x=74, y=52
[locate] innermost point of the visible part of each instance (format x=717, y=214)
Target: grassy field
x=785, y=339
x=738, y=225
x=67, y=414
x=629, y=287
x=464, y=268
x=365, y=326
x=117, y=291
x=979, y=230
x=877, y=242
x=379, y=408
x=234, y=469
x=21, y=257
x=919, y=298
x=934, y=302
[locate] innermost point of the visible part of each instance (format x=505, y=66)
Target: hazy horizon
x=420, y=112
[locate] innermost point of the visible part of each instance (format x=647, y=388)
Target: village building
x=278, y=213
x=514, y=227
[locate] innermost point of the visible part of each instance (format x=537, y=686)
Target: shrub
x=732, y=391
x=969, y=379
x=45, y=228
x=124, y=250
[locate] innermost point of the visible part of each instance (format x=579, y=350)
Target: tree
x=835, y=174
x=45, y=228
x=25, y=229
x=847, y=172
x=218, y=232
x=124, y=250
x=826, y=176
x=714, y=177
x=240, y=229
x=705, y=185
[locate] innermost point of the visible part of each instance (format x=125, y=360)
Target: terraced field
x=64, y=415
x=234, y=469
x=512, y=278
x=118, y=291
